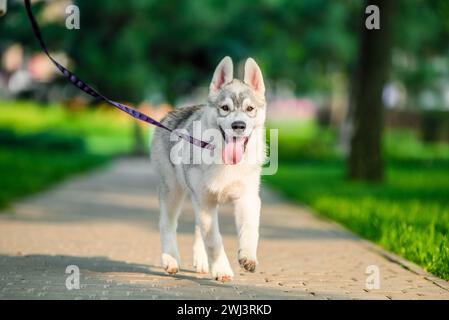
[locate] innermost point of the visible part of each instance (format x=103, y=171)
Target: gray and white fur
x=236, y=110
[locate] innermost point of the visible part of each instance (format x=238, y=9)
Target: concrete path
x=105, y=223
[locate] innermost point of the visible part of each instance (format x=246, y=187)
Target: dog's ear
x=253, y=76
x=224, y=73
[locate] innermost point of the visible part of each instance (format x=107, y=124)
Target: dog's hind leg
x=207, y=217
x=199, y=250
x=170, y=199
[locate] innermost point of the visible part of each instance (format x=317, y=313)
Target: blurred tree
x=365, y=158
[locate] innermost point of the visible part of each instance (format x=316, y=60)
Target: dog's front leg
x=247, y=215
x=207, y=216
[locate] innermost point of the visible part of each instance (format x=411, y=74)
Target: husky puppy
x=235, y=113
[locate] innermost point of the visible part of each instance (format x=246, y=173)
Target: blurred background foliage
x=157, y=54
x=151, y=48
x=170, y=47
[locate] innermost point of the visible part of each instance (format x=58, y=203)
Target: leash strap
x=90, y=91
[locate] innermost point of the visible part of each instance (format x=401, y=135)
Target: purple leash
x=87, y=89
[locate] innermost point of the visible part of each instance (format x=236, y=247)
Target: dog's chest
x=226, y=184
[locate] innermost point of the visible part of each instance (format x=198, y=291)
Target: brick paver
x=106, y=224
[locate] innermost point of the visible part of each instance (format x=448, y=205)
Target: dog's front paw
x=221, y=270
x=247, y=262
x=223, y=275
x=169, y=263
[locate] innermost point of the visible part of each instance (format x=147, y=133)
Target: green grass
x=24, y=172
x=105, y=130
x=407, y=214
x=42, y=145
x=304, y=139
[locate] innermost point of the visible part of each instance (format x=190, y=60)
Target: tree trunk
x=365, y=158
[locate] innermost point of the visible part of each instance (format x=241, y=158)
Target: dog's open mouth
x=234, y=148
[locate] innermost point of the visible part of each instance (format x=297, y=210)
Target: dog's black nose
x=238, y=125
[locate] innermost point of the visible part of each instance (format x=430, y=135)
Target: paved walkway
x=106, y=224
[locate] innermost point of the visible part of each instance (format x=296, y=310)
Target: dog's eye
x=249, y=108
x=225, y=107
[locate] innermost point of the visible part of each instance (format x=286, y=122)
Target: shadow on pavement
x=43, y=276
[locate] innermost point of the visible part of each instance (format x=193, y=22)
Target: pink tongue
x=233, y=151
